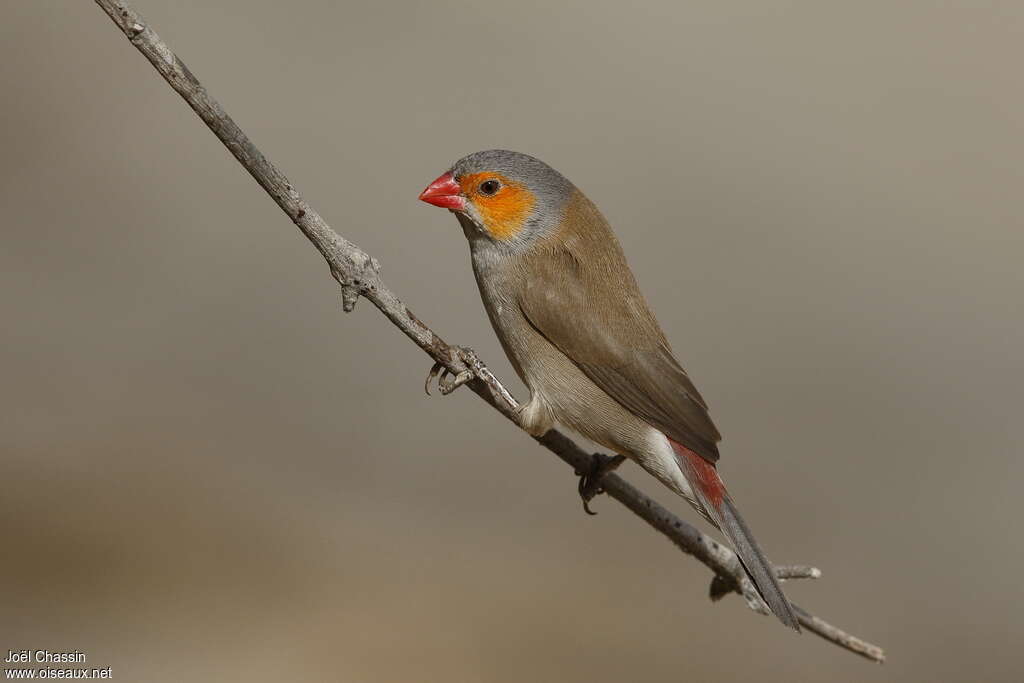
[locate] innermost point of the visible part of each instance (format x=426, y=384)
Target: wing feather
x=601, y=323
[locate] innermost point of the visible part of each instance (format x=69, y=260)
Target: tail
x=717, y=503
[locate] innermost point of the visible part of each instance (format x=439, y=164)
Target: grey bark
x=359, y=276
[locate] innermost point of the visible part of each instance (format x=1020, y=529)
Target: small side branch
x=358, y=274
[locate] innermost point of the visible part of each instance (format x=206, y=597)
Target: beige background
x=210, y=474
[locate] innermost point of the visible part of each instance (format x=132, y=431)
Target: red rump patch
x=700, y=473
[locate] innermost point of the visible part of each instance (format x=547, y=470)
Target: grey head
x=511, y=199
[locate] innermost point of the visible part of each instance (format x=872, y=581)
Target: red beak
x=444, y=192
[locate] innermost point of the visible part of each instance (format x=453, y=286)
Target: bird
x=570, y=316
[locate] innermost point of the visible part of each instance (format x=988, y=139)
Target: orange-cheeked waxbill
x=572, y=320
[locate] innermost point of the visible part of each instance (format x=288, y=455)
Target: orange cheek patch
x=503, y=214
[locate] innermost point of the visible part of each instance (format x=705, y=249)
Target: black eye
x=490, y=187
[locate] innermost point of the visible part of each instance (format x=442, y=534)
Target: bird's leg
x=475, y=369
x=590, y=481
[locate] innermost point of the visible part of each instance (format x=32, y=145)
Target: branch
x=359, y=276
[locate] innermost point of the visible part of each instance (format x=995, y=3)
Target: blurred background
x=209, y=473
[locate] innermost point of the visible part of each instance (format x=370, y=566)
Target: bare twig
x=359, y=275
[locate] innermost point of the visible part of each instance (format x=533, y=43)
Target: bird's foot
x=590, y=481
x=448, y=381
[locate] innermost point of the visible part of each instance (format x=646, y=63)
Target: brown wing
x=592, y=311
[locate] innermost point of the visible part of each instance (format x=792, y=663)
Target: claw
x=457, y=381
x=586, y=493
x=590, y=481
x=446, y=385
x=436, y=368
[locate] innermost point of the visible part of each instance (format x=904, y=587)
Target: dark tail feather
x=711, y=493
x=758, y=568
